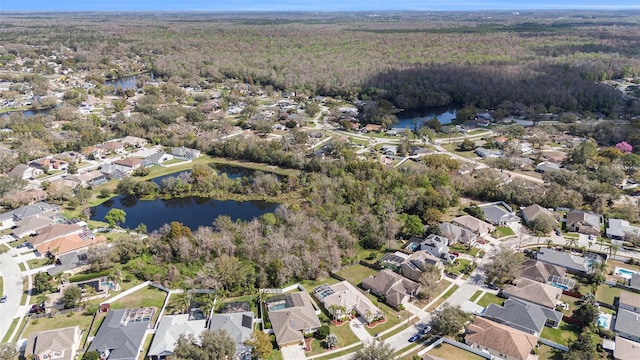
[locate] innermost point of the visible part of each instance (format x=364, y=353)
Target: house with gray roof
x=292, y=317
x=499, y=214
x=156, y=159
x=627, y=325
x=9, y=219
x=122, y=333
x=629, y=301
x=395, y=288
x=533, y=291
x=436, y=245
x=523, y=315
x=540, y=271
x=574, y=264
x=534, y=211
x=488, y=153
x=618, y=229
x=185, y=153
x=634, y=282
x=547, y=166
x=457, y=234
x=584, y=223
x=418, y=262
x=53, y=344
x=239, y=326
x=474, y=225
x=169, y=331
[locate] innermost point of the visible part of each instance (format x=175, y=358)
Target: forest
x=411, y=59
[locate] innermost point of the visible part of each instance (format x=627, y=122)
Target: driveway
x=12, y=282
x=358, y=327
x=293, y=353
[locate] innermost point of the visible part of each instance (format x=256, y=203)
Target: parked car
x=558, y=233
x=414, y=337
x=425, y=330
x=591, y=237
x=3, y=299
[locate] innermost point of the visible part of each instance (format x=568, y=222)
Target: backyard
x=147, y=297
x=607, y=294
x=489, y=298
x=564, y=334
x=356, y=273
x=447, y=351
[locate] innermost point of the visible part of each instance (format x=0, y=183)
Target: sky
x=307, y=5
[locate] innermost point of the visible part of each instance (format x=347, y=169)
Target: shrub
x=91, y=355
x=322, y=332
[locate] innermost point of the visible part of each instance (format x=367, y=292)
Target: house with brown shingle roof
x=540, y=271
x=626, y=349
x=127, y=165
x=534, y=211
x=534, y=292
x=66, y=244
x=53, y=344
x=55, y=231
x=584, y=223
x=373, y=127
x=629, y=301
x=395, y=288
x=297, y=318
x=346, y=295
x=499, y=340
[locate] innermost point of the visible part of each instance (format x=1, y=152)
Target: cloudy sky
x=308, y=5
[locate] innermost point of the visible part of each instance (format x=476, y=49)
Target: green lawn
x=7, y=336
x=607, y=294
x=461, y=264
x=309, y=285
x=1, y=286
x=345, y=337
x=489, y=298
x=59, y=322
x=447, y=351
x=174, y=161
x=356, y=273
x=443, y=298
x=339, y=353
x=475, y=295
x=503, y=231
x=275, y=355
x=548, y=353
x=36, y=263
x=564, y=334
x=464, y=250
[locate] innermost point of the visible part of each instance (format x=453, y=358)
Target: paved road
x=12, y=282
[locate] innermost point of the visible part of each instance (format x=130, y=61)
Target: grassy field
x=475, y=295
x=345, y=337
x=503, y=231
x=489, y=298
x=607, y=294
x=309, y=285
x=447, y=351
x=356, y=273
x=275, y=355
x=36, y=263
x=549, y=353
x=59, y=322
x=564, y=334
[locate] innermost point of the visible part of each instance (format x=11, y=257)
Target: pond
x=125, y=83
x=416, y=117
x=30, y=113
x=192, y=211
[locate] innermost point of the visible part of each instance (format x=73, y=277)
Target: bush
x=91, y=355
x=322, y=332
x=607, y=334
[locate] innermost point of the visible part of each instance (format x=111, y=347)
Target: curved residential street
x=12, y=282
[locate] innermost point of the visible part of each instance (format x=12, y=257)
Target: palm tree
x=184, y=301
x=549, y=243
x=613, y=249
x=333, y=310
x=572, y=242
x=368, y=315
x=42, y=298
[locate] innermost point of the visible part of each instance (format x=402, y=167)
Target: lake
x=30, y=113
x=406, y=118
x=192, y=211
x=125, y=83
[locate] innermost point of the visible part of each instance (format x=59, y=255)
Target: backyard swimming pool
x=560, y=286
x=604, y=320
x=625, y=273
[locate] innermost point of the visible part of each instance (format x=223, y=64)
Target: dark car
x=414, y=337
x=558, y=232
x=3, y=299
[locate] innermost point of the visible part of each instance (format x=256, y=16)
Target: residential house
x=169, y=330
x=584, y=223
x=112, y=171
x=540, y=271
x=547, y=166
x=70, y=243
x=574, y=264
x=72, y=262
x=91, y=178
x=41, y=209
x=122, y=333
x=414, y=265
x=488, y=153
x=629, y=301
x=113, y=147
x=534, y=211
x=523, y=315
x=474, y=225
x=626, y=349
x=50, y=164
x=53, y=344
x=627, y=324
x=395, y=288
x=499, y=340
x=499, y=214
x=436, y=245
x=457, y=234
x=63, y=183
x=127, y=165
x=389, y=150
x=347, y=298
x=55, y=231
x=394, y=260
x=618, y=229
x=26, y=172
x=239, y=326
x=185, y=153
x=156, y=159
x=373, y=127
x=94, y=152
x=634, y=282
x=72, y=157
x=31, y=225
x=292, y=318
x=533, y=291
x=134, y=141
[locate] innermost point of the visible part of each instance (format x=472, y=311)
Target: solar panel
x=247, y=321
